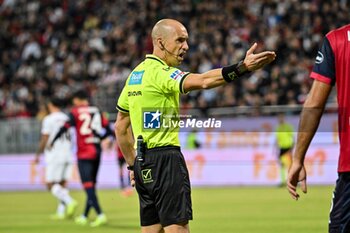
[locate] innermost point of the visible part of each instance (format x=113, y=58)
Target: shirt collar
x=154, y=57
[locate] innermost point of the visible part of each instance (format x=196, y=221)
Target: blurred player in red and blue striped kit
x=90, y=125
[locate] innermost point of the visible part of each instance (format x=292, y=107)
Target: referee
x=285, y=142
x=151, y=92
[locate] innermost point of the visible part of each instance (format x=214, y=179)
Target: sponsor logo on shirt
x=134, y=93
x=136, y=78
x=177, y=74
x=319, y=58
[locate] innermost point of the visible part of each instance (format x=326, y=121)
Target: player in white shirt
x=58, y=159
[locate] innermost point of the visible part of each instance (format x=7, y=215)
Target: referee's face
x=177, y=45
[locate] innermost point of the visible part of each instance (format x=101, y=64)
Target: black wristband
x=130, y=168
x=229, y=73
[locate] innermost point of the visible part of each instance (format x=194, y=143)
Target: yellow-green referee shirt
x=285, y=135
x=151, y=97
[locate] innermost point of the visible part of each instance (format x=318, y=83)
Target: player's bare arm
x=309, y=121
x=215, y=78
x=42, y=144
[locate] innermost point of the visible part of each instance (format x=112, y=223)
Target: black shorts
x=88, y=169
x=339, y=219
x=284, y=150
x=121, y=161
x=163, y=185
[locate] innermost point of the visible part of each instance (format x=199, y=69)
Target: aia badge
x=151, y=120
x=177, y=74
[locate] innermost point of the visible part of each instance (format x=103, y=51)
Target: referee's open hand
x=256, y=61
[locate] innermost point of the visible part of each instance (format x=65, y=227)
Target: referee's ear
x=161, y=45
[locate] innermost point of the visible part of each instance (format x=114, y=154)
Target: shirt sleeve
x=123, y=103
x=171, y=80
x=324, y=68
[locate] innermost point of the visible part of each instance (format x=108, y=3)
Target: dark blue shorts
x=339, y=220
x=88, y=170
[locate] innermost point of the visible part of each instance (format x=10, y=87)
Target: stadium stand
x=55, y=47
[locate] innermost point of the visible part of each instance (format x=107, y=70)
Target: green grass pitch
x=224, y=210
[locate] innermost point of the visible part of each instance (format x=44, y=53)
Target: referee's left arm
x=125, y=137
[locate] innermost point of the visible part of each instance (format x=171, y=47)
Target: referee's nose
x=185, y=46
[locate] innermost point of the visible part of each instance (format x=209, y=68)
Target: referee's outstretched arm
x=218, y=77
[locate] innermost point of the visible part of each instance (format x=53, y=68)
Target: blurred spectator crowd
x=52, y=47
